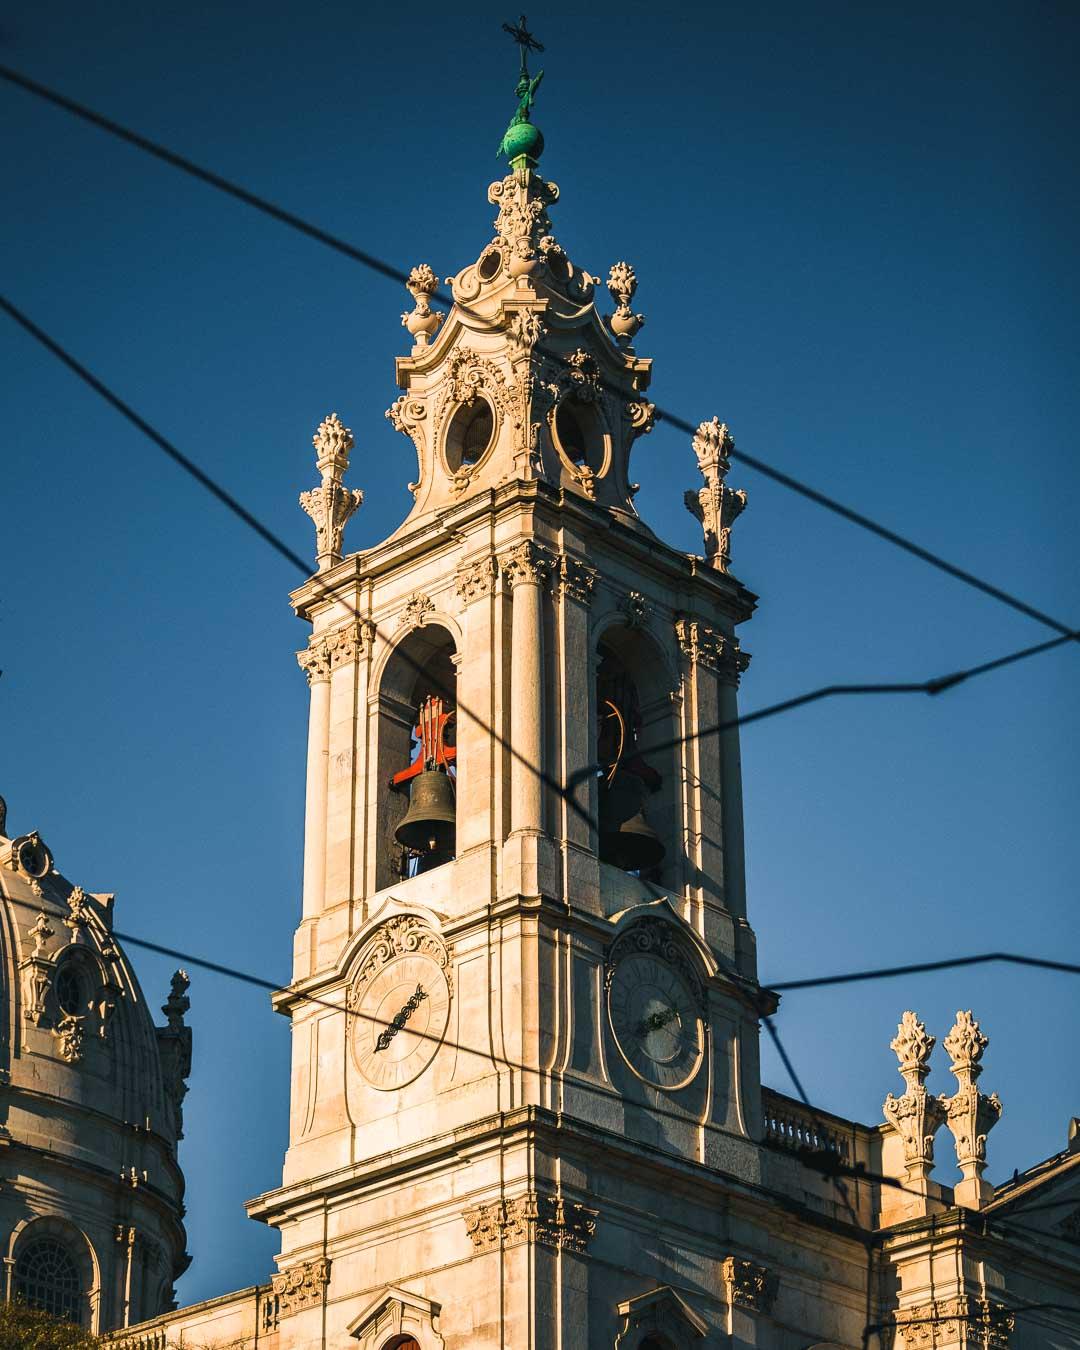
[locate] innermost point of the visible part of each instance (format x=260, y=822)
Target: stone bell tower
x=524, y=1000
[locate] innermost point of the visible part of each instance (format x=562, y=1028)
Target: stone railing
x=791, y=1126
x=154, y=1339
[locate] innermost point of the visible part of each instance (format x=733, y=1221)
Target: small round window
x=470, y=435
x=490, y=265
x=70, y=991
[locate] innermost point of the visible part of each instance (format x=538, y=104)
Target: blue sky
x=854, y=230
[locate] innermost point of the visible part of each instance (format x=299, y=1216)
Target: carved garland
x=657, y=937
x=301, y=1286
x=402, y=935
x=532, y=1217
x=951, y=1322
x=749, y=1285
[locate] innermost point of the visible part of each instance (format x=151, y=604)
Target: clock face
x=656, y=1022
x=399, y=1021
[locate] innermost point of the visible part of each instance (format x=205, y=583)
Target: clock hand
x=400, y=1018
x=656, y=1021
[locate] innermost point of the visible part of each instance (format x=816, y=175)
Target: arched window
x=417, y=755
x=402, y=1343
x=47, y=1278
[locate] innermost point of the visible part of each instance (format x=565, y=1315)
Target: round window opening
x=577, y=434
x=47, y=1278
x=470, y=435
x=490, y=265
x=69, y=991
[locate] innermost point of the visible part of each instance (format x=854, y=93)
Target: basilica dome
x=91, y=1094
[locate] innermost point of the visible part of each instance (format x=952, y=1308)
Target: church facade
x=526, y=1106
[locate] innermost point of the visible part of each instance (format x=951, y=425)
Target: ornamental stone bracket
x=748, y=1285
x=330, y=505
x=715, y=505
x=416, y=610
x=917, y=1115
x=533, y=1217
x=703, y=645
x=969, y=1113
x=660, y=1312
x=395, y=1315
x=962, y=1323
x=301, y=1286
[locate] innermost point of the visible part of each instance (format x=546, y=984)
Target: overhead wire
x=389, y=271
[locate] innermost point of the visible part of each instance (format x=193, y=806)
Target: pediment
x=398, y=1312
x=661, y=1312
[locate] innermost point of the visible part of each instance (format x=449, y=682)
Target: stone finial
x=715, y=505
x=177, y=1003
x=622, y=283
x=41, y=932
x=330, y=505
x=917, y=1115
x=423, y=321
x=970, y=1114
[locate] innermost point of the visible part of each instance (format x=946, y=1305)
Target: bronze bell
x=627, y=840
x=428, y=826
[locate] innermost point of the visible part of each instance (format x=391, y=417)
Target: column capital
x=327, y=651
x=575, y=579
x=529, y=564
x=477, y=579
x=706, y=646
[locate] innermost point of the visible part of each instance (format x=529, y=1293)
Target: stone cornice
x=552, y=511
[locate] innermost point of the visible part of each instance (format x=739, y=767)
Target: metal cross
x=525, y=41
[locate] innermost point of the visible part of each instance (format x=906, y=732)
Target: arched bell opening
x=469, y=435
x=578, y=432
x=635, y=728
x=417, y=756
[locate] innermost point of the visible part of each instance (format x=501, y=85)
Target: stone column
x=315, y=663
x=574, y=584
x=526, y=569
x=732, y=664
x=477, y=748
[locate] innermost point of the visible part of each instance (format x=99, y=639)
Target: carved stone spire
x=174, y=1047
x=969, y=1113
x=331, y=504
x=716, y=505
x=917, y=1115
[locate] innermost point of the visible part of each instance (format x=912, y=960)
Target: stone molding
x=477, y=580
x=575, y=579
x=532, y=1217
x=956, y=1322
x=748, y=1285
x=329, y=651
x=401, y=935
x=917, y=1115
x=706, y=646
x=528, y=564
x=301, y=1286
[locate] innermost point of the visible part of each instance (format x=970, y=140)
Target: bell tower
x=524, y=1000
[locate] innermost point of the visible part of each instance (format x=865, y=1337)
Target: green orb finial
x=522, y=142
